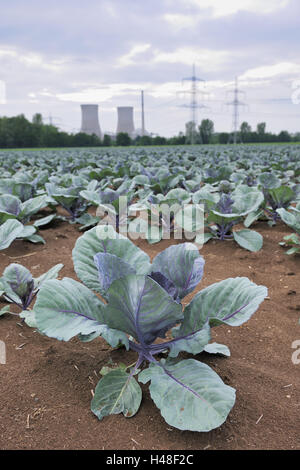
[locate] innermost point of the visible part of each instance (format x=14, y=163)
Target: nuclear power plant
x=125, y=120
x=89, y=119
x=90, y=122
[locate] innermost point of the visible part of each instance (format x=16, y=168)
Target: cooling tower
x=125, y=120
x=89, y=119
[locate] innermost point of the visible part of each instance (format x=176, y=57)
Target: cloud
x=131, y=56
x=209, y=59
x=271, y=71
x=59, y=54
x=181, y=21
x=30, y=59
x=219, y=8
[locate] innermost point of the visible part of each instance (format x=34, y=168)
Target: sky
x=57, y=55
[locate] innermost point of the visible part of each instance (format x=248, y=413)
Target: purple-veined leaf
x=138, y=306
x=189, y=394
x=232, y=301
x=110, y=267
x=182, y=265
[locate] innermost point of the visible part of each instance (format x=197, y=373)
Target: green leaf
x=66, y=308
x=140, y=307
x=51, y=274
x=9, y=231
x=94, y=242
x=293, y=251
x=2, y=288
x=232, y=301
x=17, y=281
x=110, y=268
x=179, y=194
x=32, y=206
x=44, y=220
x=91, y=196
x=246, y=200
x=88, y=338
x=292, y=220
x=27, y=232
x=189, y=394
x=4, y=310
x=36, y=239
x=87, y=220
x=282, y=195
x=291, y=239
x=29, y=318
x=205, y=196
x=117, y=392
x=190, y=218
x=216, y=348
x=114, y=338
x=248, y=239
x=140, y=228
x=182, y=264
x=268, y=180
x=193, y=343
x=202, y=239
x=252, y=217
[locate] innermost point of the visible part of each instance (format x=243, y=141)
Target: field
x=251, y=197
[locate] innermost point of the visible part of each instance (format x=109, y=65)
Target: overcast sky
x=56, y=55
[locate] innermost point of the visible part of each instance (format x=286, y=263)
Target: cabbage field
x=122, y=275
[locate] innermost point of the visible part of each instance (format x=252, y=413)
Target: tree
x=284, y=136
x=223, y=137
x=145, y=140
x=37, y=119
x=180, y=139
x=206, y=130
x=158, y=140
x=245, y=131
x=107, y=141
x=123, y=139
x=261, y=128
x=190, y=132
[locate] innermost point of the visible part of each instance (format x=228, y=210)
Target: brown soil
x=46, y=385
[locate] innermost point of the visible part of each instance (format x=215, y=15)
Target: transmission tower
x=143, y=113
x=236, y=103
x=194, y=105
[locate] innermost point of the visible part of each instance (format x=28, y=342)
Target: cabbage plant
x=69, y=198
x=229, y=209
x=276, y=196
x=292, y=219
x=18, y=286
x=13, y=229
x=159, y=215
x=143, y=301
x=109, y=206
x=12, y=208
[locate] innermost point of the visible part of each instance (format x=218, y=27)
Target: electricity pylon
x=193, y=105
x=236, y=103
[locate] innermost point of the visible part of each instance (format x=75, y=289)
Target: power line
x=143, y=114
x=236, y=103
x=193, y=105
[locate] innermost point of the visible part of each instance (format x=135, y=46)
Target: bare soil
x=46, y=386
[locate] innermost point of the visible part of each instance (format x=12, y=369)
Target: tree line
x=19, y=132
